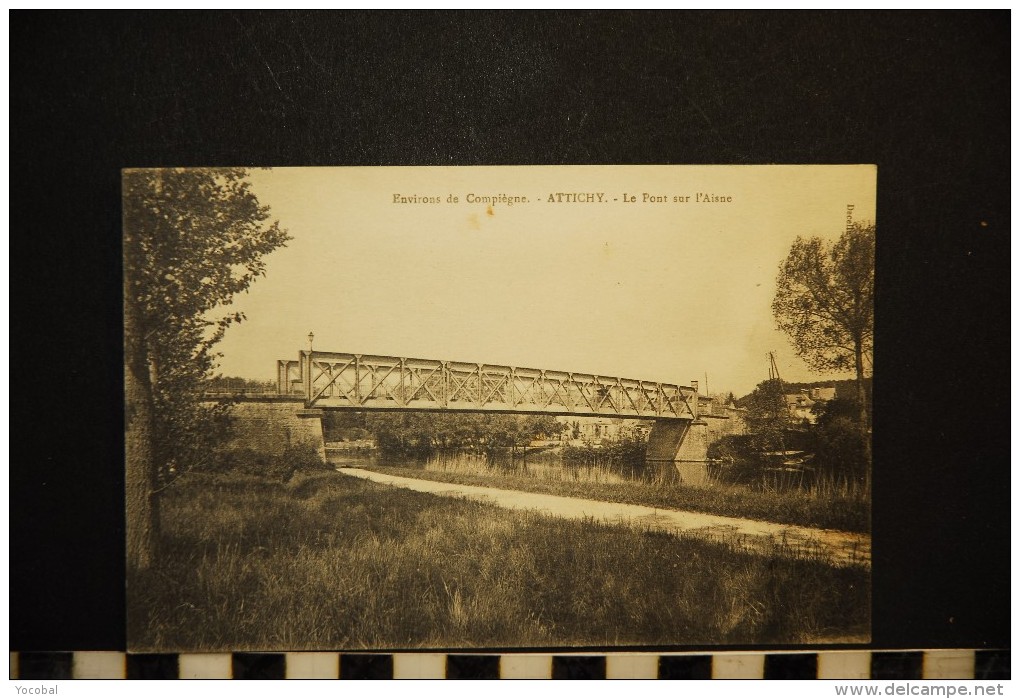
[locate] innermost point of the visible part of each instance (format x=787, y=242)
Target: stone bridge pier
x=678, y=440
x=274, y=425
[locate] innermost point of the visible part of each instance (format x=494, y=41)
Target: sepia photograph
x=381, y=408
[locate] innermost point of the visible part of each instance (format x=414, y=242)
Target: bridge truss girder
x=336, y=380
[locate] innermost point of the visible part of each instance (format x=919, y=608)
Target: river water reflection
x=541, y=464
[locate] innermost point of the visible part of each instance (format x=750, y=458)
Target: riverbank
x=326, y=561
x=766, y=538
x=823, y=509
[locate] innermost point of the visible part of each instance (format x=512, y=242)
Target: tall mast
x=774, y=368
x=774, y=374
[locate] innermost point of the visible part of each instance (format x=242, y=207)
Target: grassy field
x=330, y=562
x=828, y=508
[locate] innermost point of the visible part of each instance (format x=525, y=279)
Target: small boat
x=789, y=458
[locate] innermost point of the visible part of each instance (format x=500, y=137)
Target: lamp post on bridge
x=308, y=369
x=697, y=394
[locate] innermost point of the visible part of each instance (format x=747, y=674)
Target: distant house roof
x=823, y=392
x=798, y=398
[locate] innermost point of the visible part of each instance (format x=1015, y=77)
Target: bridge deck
x=336, y=380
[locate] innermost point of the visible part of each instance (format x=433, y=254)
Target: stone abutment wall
x=272, y=426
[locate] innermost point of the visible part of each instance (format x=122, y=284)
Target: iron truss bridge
x=336, y=380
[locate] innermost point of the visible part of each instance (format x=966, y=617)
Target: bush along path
x=837, y=548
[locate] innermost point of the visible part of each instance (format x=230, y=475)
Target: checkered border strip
x=834, y=665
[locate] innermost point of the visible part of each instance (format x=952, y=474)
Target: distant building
x=722, y=417
x=801, y=404
x=717, y=417
x=603, y=429
x=822, y=393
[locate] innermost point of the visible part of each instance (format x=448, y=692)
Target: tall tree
x=825, y=302
x=767, y=416
x=193, y=239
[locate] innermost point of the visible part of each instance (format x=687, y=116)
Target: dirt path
x=840, y=548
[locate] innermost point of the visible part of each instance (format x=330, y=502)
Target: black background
x=923, y=95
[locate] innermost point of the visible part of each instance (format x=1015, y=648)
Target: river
x=541, y=464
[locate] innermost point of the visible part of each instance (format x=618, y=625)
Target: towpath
x=838, y=547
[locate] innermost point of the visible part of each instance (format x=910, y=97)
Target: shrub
x=733, y=447
x=842, y=448
x=628, y=451
x=741, y=462
x=254, y=462
x=242, y=460
x=353, y=434
x=304, y=457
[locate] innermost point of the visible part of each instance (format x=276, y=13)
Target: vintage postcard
x=498, y=407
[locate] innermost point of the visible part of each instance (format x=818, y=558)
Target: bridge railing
x=243, y=392
x=373, y=382
x=289, y=377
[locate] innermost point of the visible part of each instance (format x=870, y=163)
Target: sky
x=672, y=291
